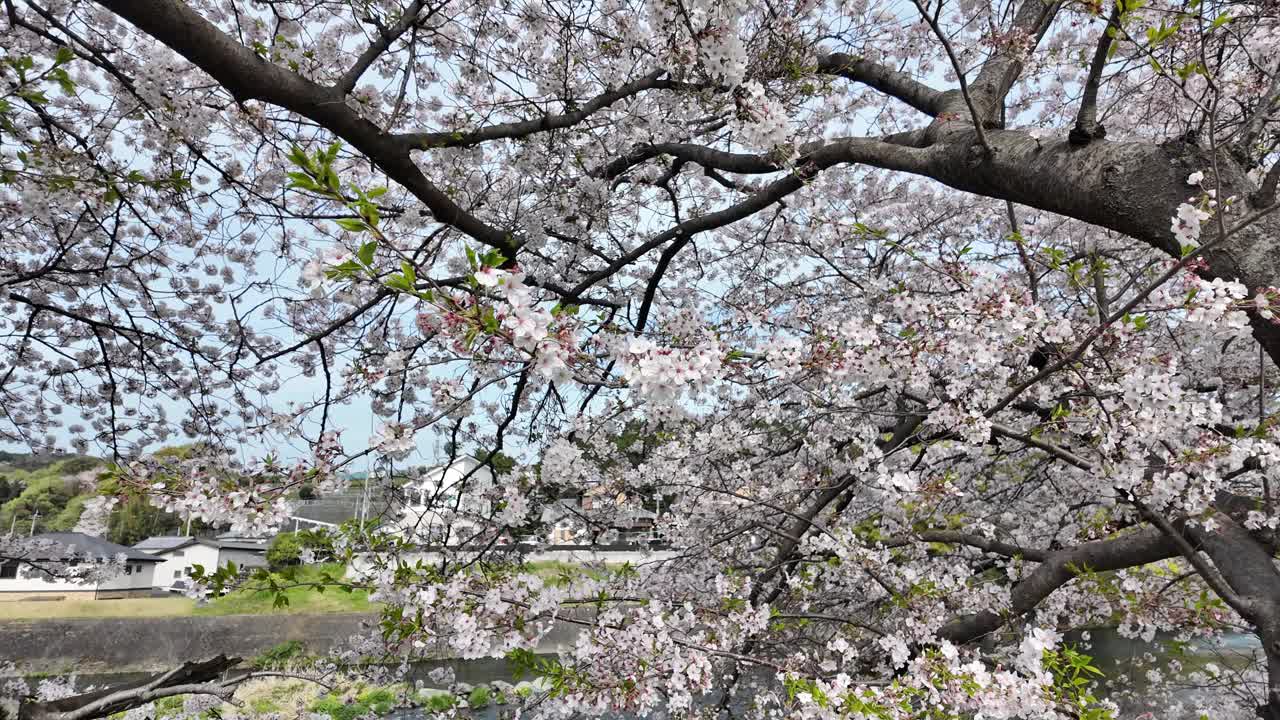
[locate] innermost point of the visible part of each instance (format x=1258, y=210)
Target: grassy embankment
x=245, y=601
x=252, y=601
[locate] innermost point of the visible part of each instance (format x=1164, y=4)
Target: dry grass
x=275, y=695
x=76, y=608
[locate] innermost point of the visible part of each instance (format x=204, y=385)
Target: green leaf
x=352, y=225
x=365, y=253
x=64, y=81
x=63, y=56
x=298, y=157
x=35, y=97
x=303, y=181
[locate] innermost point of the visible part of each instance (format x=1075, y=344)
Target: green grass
x=256, y=599
x=557, y=572
x=358, y=701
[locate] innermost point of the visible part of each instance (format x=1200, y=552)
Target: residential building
x=446, y=503
x=598, y=517
x=179, y=555
x=70, y=558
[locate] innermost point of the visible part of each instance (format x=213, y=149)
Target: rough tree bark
x=192, y=677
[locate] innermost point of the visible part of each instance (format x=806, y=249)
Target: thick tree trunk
x=1249, y=568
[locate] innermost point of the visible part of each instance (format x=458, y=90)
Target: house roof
x=239, y=544
x=74, y=543
x=163, y=544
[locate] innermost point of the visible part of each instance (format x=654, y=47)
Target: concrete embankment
x=113, y=645
x=97, y=645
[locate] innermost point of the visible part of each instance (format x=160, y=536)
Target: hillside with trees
x=45, y=493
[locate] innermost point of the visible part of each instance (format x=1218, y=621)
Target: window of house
x=128, y=569
x=179, y=553
x=9, y=570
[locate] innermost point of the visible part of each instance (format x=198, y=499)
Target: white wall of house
x=178, y=564
x=136, y=576
x=431, y=499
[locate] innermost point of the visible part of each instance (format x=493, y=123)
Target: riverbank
x=144, y=644
x=153, y=644
x=297, y=595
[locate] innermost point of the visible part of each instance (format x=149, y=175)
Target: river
x=1129, y=667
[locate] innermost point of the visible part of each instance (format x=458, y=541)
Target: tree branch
x=426, y=141
x=883, y=78
x=956, y=537
x=189, y=678
x=385, y=38
x=1207, y=572
x=248, y=77
x=1087, y=127
x=977, y=117
x=1057, y=570
x=1252, y=130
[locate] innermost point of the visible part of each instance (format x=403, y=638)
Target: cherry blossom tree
x=949, y=327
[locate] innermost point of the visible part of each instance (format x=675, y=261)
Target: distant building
x=598, y=516
x=330, y=511
x=446, y=503
x=77, y=554
x=178, y=555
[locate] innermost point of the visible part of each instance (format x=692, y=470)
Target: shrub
x=479, y=698
x=381, y=700
x=335, y=708
x=438, y=701
x=284, y=550
x=279, y=656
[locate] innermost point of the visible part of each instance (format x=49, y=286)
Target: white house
x=602, y=515
x=447, y=501
x=179, y=555
x=76, y=554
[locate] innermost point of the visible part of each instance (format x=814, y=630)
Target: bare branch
x=1087, y=126
x=976, y=116
x=384, y=40
x=1252, y=130
x=891, y=82
x=425, y=141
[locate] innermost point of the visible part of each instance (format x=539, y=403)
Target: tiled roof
x=79, y=543
x=168, y=543
x=163, y=542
